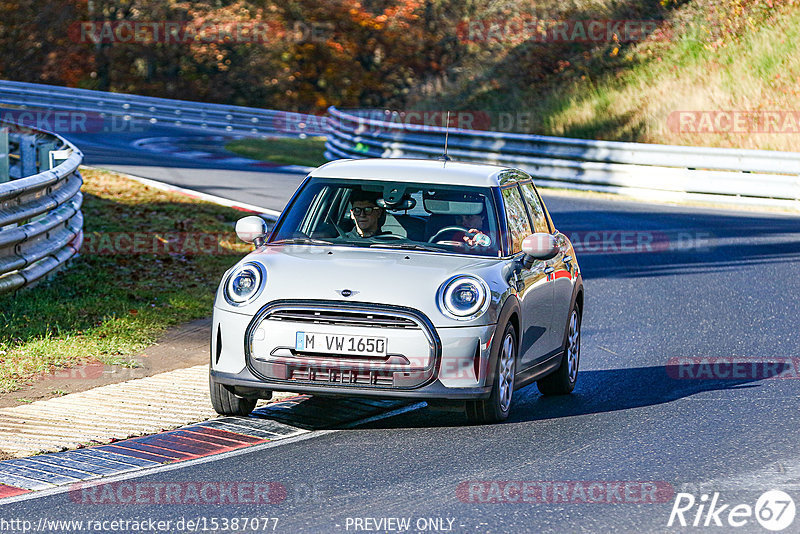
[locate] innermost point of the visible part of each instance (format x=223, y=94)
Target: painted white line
x=386, y=415
x=269, y=213
x=164, y=468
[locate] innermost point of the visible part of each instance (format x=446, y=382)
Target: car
x=399, y=278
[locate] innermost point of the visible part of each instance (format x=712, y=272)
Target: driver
x=477, y=234
x=366, y=214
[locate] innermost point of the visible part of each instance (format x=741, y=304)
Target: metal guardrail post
x=43, y=155
x=4, y=155
x=57, y=157
x=27, y=155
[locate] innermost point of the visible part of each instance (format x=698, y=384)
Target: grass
x=108, y=307
x=309, y=152
x=723, y=55
x=748, y=73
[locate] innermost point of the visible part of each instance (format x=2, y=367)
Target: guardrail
x=182, y=113
x=644, y=170
x=41, y=225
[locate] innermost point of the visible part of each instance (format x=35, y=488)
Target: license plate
x=340, y=344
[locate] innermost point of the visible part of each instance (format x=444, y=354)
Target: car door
x=533, y=284
x=558, y=269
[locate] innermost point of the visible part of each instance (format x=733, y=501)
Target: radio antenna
x=444, y=157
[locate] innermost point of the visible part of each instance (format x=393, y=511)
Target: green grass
x=108, y=307
x=720, y=57
x=309, y=152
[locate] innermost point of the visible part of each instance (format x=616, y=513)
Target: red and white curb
x=291, y=418
x=110, y=413
x=192, y=148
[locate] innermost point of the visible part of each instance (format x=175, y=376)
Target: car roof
x=415, y=170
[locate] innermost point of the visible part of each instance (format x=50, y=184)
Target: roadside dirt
x=181, y=346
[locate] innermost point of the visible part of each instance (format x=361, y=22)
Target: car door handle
x=549, y=269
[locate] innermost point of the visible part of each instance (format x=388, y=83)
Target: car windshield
x=399, y=215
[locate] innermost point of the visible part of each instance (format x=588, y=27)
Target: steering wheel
x=388, y=237
x=435, y=237
x=336, y=227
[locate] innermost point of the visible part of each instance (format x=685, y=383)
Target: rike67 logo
x=774, y=510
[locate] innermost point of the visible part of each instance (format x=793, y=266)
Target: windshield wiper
x=407, y=246
x=300, y=241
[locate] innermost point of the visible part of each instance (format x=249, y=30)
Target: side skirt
x=538, y=370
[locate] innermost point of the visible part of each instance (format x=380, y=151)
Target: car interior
x=411, y=212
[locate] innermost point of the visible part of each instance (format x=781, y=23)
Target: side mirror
x=540, y=246
x=251, y=229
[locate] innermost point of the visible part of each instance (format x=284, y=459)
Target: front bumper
x=424, y=362
x=434, y=390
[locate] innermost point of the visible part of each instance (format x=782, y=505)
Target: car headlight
x=464, y=297
x=244, y=283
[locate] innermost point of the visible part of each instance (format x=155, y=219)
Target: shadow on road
x=597, y=392
x=685, y=242
x=623, y=389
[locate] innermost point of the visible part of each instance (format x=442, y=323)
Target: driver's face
x=470, y=221
x=367, y=223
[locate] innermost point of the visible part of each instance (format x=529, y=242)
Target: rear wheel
x=226, y=403
x=497, y=407
x=563, y=380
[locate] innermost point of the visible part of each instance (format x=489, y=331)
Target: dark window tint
x=519, y=226
x=535, y=207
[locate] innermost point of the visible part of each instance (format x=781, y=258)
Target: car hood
x=380, y=276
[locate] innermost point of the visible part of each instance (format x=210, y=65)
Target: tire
x=562, y=381
x=226, y=403
x=497, y=407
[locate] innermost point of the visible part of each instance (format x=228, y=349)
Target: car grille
x=346, y=377
x=280, y=362
x=343, y=318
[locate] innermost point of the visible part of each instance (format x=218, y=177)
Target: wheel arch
x=510, y=313
x=577, y=295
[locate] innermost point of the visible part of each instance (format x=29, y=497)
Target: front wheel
x=226, y=403
x=497, y=407
x=562, y=381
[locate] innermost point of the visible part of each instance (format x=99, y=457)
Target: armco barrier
x=655, y=171
x=181, y=113
x=41, y=225
x=644, y=170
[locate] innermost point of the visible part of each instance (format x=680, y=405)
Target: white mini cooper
x=396, y=278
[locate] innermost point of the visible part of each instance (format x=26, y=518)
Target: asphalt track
x=703, y=283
